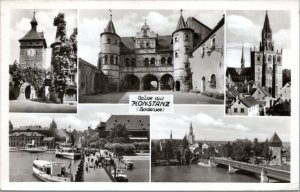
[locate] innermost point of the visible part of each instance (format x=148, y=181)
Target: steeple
x=181, y=23
x=33, y=22
x=191, y=129
x=110, y=28
x=266, y=36
x=171, y=135
x=242, y=58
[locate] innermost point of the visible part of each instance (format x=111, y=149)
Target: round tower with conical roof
x=110, y=43
x=182, y=46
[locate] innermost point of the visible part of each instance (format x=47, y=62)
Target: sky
x=88, y=115
x=210, y=124
x=20, y=25
x=244, y=27
x=129, y=22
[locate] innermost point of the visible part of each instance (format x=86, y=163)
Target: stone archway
x=150, y=83
x=167, y=82
x=131, y=83
x=27, y=91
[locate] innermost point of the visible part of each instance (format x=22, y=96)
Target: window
x=203, y=52
x=258, y=58
x=116, y=42
x=242, y=110
x=213, y=43
x=117, y=61
x=105, y=59
x=141, y=44
x=148, y=44
x=187, y=50
x=278, y=59
x=176, y=39
x=270, y=58
x=152, y=61
x=108, y=40
x=186, y=37
x=235, y=110
x=163, y=61
x=212, y=81
x=127, y=62
x=133, y=63
x=176, y=54
x=111, y=60
x=169, y=61
x=146, y=62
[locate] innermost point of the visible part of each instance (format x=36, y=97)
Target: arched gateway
x=150, y=82
x=167, y=82
x=131, y=83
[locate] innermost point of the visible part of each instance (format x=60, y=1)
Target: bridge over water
x=266, y=173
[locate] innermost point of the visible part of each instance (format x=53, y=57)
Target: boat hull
x=72, y=156
x=48, y=178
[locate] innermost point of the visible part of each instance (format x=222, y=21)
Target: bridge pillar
x=211, y=163
x=230, y=169
x=263, y=176
x=158, y=85
x=141, y=85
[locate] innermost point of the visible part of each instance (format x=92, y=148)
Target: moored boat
x=129, y=164
x=50, y=171
x=13, y=149
x=68, y=151
x=32, y=148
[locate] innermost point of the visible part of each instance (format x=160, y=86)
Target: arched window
x=186, y=37
x=152, y=61
x=146, y=62
x=111, y=60
x=117, y=60
x=258, y=58
x=278, y=59
x=212, y=81
x=169, y=61
x=108, y=40
x=127, y=62
x=270, y=58
x=133, y=63
x=176, y=54
x=105, y=59
x=163, y=61
x=147, y=44
x=176, y=39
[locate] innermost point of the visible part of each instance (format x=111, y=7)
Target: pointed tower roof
x=242, y=58
x=33, y=21
x=181, y=23
x=110, y=28
x=275, y=141
x=191, y=129
x=171, y=135
x=267, y=27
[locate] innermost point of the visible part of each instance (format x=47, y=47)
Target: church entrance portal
x=131, y=83
x=167, y=82
x=27, y=92
x=150, y=83
x=177, y=85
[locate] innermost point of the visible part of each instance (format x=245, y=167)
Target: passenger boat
x=129, y=164
x=50, y=171
x=13, y=149
x=120, y=176
x=68, y=151
x=32, y=148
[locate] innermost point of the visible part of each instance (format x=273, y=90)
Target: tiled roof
x=233, y=91
x=28, y=134
x=132, y=122
x=246, y=71
x=249, y=101
x=275, y=140
x=31, y=128
x=110, y=28
x=48, y=138
x=181, y=23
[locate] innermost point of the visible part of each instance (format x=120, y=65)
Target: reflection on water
x=197, y=173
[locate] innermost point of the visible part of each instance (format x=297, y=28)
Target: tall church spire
x=242, y=58
x=191, y=129
x=181, y=23
x=267, y=27
x=266, y=36
x=110, y=28
x=171, y=135
x=33, y=22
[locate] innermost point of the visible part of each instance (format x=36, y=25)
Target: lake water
x=197, y=173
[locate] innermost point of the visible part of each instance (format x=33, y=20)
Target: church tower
x=191, y=136
x=171, y=136
x=110, y=43
x=242, y=58
x=182, y=46
x=33, y=47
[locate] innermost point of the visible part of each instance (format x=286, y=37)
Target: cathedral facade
x=149, y=61
x=266, y=64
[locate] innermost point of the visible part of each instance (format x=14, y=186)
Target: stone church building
x=189, y=58
x=266, y=64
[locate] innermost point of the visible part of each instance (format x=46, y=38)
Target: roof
x=216, y=28
x=48, y=139
x=264, y=91
x=164, y=43
x=249, y=101
x=110, y=28
x=181, y=23
x=267, y=27
x=31, y=128
x=275, y=140
x=83, y=62
x=233, y=91
x=234, y=72
x=132, y=122
x=28, y=134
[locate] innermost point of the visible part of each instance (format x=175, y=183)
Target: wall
x=86, y=78
x=204, y=64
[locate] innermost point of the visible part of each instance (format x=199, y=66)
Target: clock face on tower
x=31, y=52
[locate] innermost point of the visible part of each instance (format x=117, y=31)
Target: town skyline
x=210, y=124
x=244, y=29
x=20, y=24
x=128, y=22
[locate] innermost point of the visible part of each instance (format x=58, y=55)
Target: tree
x=168, y=150
x=242, y=150
x=266, y=150
x=11, y=127
x=185, y=143
x=187, y=156
x=119, y=134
